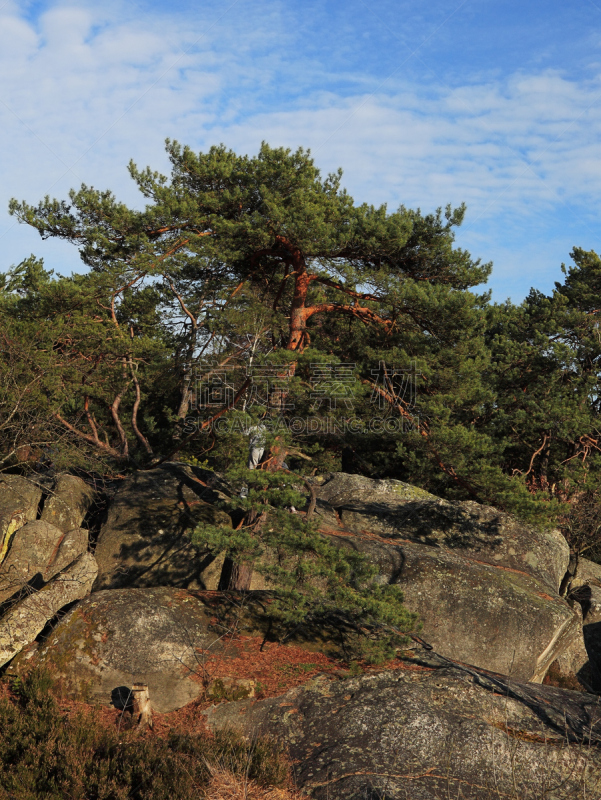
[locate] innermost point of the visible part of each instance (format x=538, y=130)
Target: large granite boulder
x=36, y=545
x=586, y=588
x=39, y=549
x=145, y=539
x=68, y=502
x=158, y=636
x=423, y=733
x=19, y=501
x=573, y=666
x=492, y=617
x=395, y=510
x=484, y=615
x=483, y=585
x=27, y=618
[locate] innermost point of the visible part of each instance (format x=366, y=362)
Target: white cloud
x=88, y=89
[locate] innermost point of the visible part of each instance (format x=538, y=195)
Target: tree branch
x=87, y=437
x=349, y=292
x=203, y=426
x=115, y=415
x=134, y=413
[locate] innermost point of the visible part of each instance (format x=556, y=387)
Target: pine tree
x=315, y=583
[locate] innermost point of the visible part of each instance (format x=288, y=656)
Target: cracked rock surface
x=427, y=733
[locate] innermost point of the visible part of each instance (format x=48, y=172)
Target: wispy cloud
x=83, y=90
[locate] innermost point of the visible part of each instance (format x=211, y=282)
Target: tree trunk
x=235, y=577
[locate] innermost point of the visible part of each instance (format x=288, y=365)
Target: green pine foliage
x=315, y=581
x=546, y=379
x=75, y=366
x=254, y=263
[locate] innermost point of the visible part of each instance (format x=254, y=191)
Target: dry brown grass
x=226, y=786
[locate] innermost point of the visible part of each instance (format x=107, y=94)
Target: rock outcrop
x=484, y=586
x=36, y=547
x=486, y=616
x=39, y=549
x=44, y=563
x=461, y=713
x=586, y=591
x=25, y=620
x=395, y=510
x=427, y=733
x=588, y=575
x=19, y=501
x=145, y=542
x=68, y=503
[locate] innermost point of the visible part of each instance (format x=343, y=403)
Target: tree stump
x=142, y=710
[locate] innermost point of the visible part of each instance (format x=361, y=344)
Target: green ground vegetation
x=47, y=751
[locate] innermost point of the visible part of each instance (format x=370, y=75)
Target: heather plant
x=47, y=752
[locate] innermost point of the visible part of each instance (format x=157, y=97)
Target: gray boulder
x=427, y=733
x=484, y=587
x=471, y=611
x=395, y=510
x=573, y=665
x=43, y=547
x=586, y=590
x=586, y=585
x=19, y=501
x=39, y=549
x=145, y=539
x=67, y=503
x=158, y=636
x=72, y=544
x=25, y=620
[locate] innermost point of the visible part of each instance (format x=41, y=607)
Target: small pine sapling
x=315, y=583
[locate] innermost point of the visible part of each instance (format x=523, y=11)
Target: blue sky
x=497, y=104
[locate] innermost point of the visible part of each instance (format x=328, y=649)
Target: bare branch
x=134, y=413
x=87, y=437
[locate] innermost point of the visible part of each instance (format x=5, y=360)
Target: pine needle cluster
x=315, y=581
